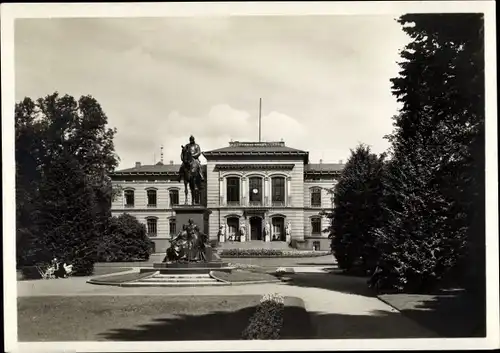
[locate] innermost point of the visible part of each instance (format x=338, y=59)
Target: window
x=151, y=198
x=174, y=197
x=172, y=227
x=129, y=198
x=316, y=245
x=278, y=191
x=151, y=227
x=233, y=190
x=316, y=197
x=316, y=225
x=255, y=190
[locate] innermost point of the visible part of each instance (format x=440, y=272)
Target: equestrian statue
x=190, y=170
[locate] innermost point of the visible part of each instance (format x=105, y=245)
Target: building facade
x=248, y=184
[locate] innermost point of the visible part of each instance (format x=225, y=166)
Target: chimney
x=137, y=164
x=320, y=161
x=341, y=161
x=171, y=162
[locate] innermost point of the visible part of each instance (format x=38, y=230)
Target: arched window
x=129, y=198
x=278, y=191
x=151, y=197
x=152, y=227
x=174, y=197
x=172, y=225
x=315, y=197
x=233, y=191
x=316, y=225
x=255, y=191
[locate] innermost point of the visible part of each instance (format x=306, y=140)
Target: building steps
x=175, y=280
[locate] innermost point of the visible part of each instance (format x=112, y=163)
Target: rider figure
x=195, y=153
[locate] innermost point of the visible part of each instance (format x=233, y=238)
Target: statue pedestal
x=267, y=238
x=197, y=213
x=242, y=238
x=221, y=239
x=288, y=239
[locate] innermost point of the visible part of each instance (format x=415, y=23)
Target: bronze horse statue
x=191, y=176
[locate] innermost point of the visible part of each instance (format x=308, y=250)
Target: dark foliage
x=125, y=239
x=357, y=211
x=434, y=192
x=64, y=152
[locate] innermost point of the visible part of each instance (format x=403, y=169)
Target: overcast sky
x=324, y=80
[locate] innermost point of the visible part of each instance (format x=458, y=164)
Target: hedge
x=267, y=321
x=271, y=253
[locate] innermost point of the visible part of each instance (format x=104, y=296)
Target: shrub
x=125, y=240
x=83, y=266
x=357, y=211
x=267, y=321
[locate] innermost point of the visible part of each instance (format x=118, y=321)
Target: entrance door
x=256, y=228
x=278, y=229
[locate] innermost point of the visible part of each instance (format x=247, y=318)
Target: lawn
x=122, y=278
x=146, y=318
x=240, y=276
x=450, y=313
x=100, y=271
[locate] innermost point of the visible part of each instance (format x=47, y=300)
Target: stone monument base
x=199, y=215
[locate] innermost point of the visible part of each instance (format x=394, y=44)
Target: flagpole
x=260, y=118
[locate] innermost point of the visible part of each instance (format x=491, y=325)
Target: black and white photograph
x=250, y=176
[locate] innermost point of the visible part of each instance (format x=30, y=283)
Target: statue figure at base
x=188, y=245
x=242, y=232
x=222, y=233
x=288, y=232
x=267, y=232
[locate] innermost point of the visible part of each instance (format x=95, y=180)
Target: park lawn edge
x=226, y=277
x=120, y=278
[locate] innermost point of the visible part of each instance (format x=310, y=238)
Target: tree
x=357, y=211
x=68, y=136
x=435, y=147
x=126, y=239
x=67, y=222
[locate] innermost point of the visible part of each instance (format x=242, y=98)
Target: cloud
x=213, y=130
x=324, y=80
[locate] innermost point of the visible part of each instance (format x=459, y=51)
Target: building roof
x=238, y=148
x=323, y=167
x=146, y=169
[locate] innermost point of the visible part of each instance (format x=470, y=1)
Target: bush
x=125, y=240
x=267, y=321
x=83, y=266
x=270, y=253
x=357, y=211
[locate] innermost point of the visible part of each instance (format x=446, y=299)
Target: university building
x=247, y=184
